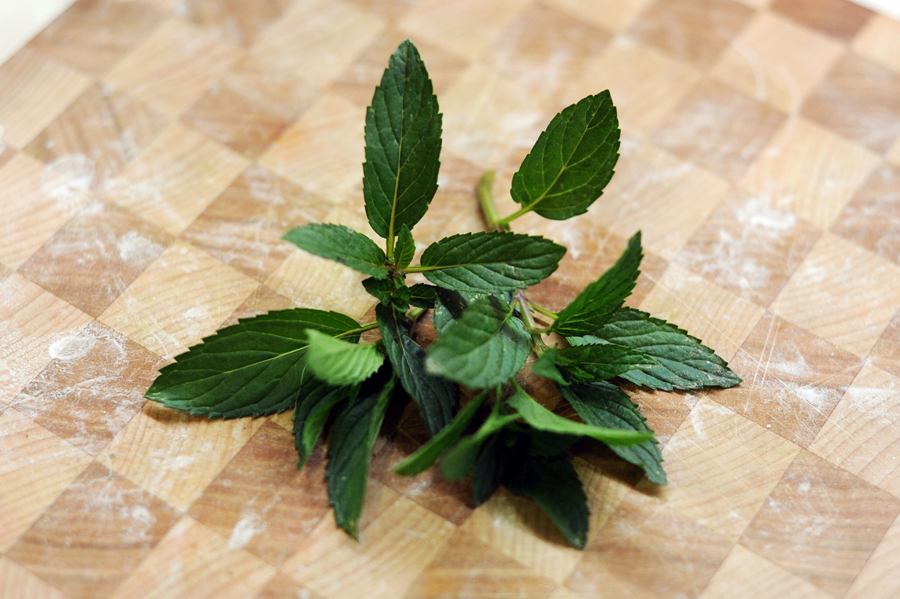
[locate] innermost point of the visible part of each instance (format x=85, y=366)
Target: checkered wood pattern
x=154, y=151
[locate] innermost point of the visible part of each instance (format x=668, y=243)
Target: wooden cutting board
x=154, y=151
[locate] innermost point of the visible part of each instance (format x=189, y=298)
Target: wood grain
x=154, y=152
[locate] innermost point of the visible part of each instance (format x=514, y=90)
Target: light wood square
x=612, y=15
x=488, y=115
x=173, y=67
x=879, y=41
x=175, y=178
x=16, y=581
x=519, y=528
x=721, y=319
x=663, y=197
x=893, y=154
x=38, y=201
x=323, y=151
x=878, y=579
x=394, y=549
x=181, y=298
x=859, y=436
x=35, y=327
x=174, y=455
x=809, y=170
x=722, y=466
x=317, y=40
x=313, y=282
x=777, y=61
x=841, y=293
x=466, y=27
x=35, y=90
x=193, y=562
x=746, y=575
x=35, y=466
x=645, y=85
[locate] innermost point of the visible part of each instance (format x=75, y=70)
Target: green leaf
x=403, y=145
x=554, y=485
x=602, y=361
x=599, y=300
x=341, y=363
x=426, y=455
x=543, y=419
x=389, y=292
x=252, y=368
x=545, y=366
x=572, y=160
x=490, y=467
x=423, y=296
x=342, y=244
x=679, y=361
x=313, y=407
x=490, y=262
x=436, y=397
x=462, y=457
x=487, y=346
x=350, y=450
x=406, y=247
x=546, y=444
x=450, y=306
x=604, y=404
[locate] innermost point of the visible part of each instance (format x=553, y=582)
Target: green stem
x=543, y=311
x=504, y=222
x=389, y=247
x=410, y=269
x=486, y=199
x=362, y=329
x=413, y=314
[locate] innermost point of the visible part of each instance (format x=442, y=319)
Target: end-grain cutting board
x=154, y=151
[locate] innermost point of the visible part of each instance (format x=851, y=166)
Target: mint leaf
x=460, y=460
x=313, y=407
x=435, y=396
x=341, y=363
x=487, y=346
x=406, y=247
x=678, y=361
x=352, y=438
x=423, y=296
x=602, y=361
x=555, y=486
x=490, y=262
x=603, y=404
x=450, y=306
x=572, y=160
x=543, y=419
x=389, y=292
x=545, y=366
x=426, y=455
x=490, y=467
x=599, y=300
x=341, y=244
x=403, y=145
x=252, y=368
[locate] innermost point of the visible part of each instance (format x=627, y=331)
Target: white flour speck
x=246, y=528
x=134, y=246
x=72, y=347
x=68, y=178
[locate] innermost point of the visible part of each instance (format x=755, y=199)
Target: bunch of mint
x=312, y=361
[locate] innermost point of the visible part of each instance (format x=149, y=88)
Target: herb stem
x=503, y=223
x=362, y=329
x=486, y=199
x=543, y=311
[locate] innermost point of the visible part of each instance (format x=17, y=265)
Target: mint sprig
x=318, y=364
